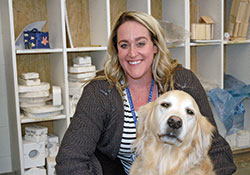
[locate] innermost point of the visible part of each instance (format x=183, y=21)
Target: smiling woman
x=137, y=70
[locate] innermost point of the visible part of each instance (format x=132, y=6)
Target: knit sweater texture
x=91, y=142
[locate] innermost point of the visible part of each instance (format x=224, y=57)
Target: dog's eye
x=165, y=105
x=190, y=112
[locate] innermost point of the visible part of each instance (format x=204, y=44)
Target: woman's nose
x=132, y=51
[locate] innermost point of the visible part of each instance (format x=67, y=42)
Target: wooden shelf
x=86, y=49
x=204, y=42
x=241, y=150
x=38, y=51
x=237, y=42
x=33, y=120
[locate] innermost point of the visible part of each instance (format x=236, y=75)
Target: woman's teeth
x=134, y=62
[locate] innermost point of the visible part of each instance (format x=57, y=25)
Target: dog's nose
x=175, y=122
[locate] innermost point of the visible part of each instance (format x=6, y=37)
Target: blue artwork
x=34, y=39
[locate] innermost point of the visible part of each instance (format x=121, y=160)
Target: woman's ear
x=155, y=49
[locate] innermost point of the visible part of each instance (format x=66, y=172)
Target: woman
x=137, y=70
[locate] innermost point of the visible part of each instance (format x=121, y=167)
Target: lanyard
x=131, y=101
x=133, y=110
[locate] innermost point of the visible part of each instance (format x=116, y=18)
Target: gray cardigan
x=91, y=143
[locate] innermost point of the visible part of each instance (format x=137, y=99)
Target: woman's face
x=135, y=50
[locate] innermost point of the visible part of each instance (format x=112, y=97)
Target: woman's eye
x=123, y=45
x=140, y=44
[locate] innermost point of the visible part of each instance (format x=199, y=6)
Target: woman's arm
x=76, y=153
x=220, y=151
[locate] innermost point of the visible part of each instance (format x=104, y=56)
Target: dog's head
x=174, y=119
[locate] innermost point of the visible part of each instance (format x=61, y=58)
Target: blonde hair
x=162, y=66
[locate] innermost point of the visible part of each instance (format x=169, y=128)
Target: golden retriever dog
x=173, y=138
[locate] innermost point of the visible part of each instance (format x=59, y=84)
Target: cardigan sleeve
x=76, y=154
x=220, y=152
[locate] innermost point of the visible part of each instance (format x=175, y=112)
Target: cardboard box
x=204, y=30
x=238, y=20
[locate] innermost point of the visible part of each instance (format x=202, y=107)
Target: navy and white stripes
x=128, y=136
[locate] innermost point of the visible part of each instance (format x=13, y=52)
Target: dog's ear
x=144, y=114
x=204, y=134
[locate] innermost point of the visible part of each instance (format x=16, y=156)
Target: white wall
x=5, y=84
x=5, y=154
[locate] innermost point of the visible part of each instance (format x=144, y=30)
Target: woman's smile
x=134, y=62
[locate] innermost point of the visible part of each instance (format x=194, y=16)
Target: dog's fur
x=180, y=150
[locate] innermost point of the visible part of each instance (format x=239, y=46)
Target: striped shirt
x=128, y=135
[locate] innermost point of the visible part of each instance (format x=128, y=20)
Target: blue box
x=34, y=39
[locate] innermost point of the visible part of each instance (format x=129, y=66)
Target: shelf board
x=204, y=42
x=84, y=49
x=175, y=45
x=38, y=51
x=237, y=42
x=240, y=150
x=32, y=120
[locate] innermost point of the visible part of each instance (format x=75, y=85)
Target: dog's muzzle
x=174, y=122
x=174, y=126
x=173, y=129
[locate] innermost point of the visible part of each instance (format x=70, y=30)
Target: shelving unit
x=51, y=64
x=237, y=63
x=90, y=25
